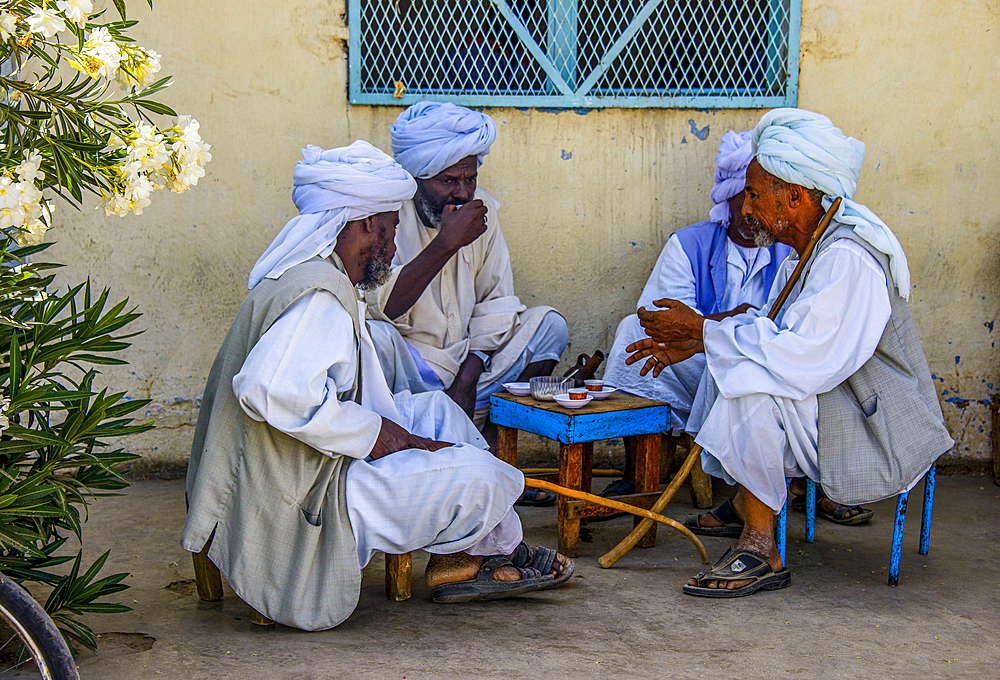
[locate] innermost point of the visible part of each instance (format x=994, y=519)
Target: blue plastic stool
x=897, y=533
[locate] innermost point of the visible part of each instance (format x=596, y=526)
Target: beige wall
x=916, y=80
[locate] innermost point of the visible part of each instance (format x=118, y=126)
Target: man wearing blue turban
x=448, y=318
x=836, y=388
x=304, y=463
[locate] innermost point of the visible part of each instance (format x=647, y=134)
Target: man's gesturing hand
x=462, y=226
x=661, y=355
x=392, y=438
x=674, y=322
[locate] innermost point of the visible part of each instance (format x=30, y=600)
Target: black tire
x=37, y=632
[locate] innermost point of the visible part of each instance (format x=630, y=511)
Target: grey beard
x=428, y=209
x=762, y=238
x=377, y=271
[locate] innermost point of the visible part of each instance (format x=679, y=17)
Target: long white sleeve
x=292, y=377
x=825, y=333
x=671, y=278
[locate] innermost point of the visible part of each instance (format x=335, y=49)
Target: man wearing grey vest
x=304, y=463
x=836, y=388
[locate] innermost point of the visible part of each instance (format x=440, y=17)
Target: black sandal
x=732, y=525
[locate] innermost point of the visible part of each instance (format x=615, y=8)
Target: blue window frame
x=576, y=53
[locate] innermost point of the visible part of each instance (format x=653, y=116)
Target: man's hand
x=463, y=388
x=393, y=438
x=674, y=322
x=461, y=226
x=661, y=355
x=742, y=309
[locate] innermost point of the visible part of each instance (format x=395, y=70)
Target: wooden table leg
x=507, y=445
x=587, y=467
x=701, y=486
x=570, y=476
x=398, y=577
x=647, y=476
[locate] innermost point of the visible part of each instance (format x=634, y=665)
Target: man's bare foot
x=464, y=567
x=760, y=543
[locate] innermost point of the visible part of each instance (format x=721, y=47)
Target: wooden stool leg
x=398, y=577
x=701, y=481
x=647, y=476
x=507, y=445
x=587, y=467
x=668, y=451
x=570, y=476
x=258, y=619
x=207, y=578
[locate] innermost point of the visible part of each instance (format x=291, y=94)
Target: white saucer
x=518, y=389
x=564, y=401
x=604, y=393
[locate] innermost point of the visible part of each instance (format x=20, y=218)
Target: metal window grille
x=576, y=53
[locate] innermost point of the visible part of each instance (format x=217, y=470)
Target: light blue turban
x=805, y=148
x=735, y=154
x=431, y=136
x=331, y=188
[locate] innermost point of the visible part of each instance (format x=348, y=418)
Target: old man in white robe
x=837, y=388
x=449, y=319
x=712, y=266
x=304, y=463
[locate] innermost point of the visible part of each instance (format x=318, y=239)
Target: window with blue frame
x=575, y=53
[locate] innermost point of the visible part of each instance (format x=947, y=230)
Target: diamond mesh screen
x=575, y=53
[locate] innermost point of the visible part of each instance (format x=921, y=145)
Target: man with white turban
x=449, y=317
x=713, y=267
x=837, y=388
x=304, y=463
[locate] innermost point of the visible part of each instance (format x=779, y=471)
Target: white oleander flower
x=28, y=170
x=8, y=25
x=100, y=56
x=12, y=216
x=4, y=405
x=46, y=22
x=116, y=205
x=142, y=63
x=31, y=234
x=76, y=10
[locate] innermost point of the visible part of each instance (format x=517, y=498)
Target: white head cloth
x=331, y=188
x=735, y=154
x=805, y=148
x=430, y=136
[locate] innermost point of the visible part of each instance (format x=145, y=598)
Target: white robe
x=672, y=277
x=457, y=498
x=756, y=411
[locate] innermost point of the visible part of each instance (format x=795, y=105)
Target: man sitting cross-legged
x=713, y=267
x=837, y=387
x=304, y=463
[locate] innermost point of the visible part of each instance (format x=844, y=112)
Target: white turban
x=807, y=149
x=735, y=154
x=331, y=188
x=430, y=136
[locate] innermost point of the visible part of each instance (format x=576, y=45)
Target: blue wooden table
x=620, y=415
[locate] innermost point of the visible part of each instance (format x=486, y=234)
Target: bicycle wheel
x=32, y=627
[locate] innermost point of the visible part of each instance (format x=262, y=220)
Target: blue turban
x=331, y=188
x=429, y=137
x=735, y=154
x=806, y=148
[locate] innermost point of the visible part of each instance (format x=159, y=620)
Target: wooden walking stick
x=629, y=541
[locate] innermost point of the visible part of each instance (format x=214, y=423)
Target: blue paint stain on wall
x=566, y=155
x=632, y=242
x=684, y=140
x=701, y=134
x=957, y=359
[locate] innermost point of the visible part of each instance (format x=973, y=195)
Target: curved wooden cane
x=649, y=516
x=629, y=541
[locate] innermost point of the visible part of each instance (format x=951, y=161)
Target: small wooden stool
x=620, y=415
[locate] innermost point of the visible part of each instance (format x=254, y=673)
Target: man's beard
x=428, y=209
x=377, y=270
x=762, y=237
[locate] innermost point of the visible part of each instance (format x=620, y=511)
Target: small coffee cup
x=594, y=385
x=577, y=393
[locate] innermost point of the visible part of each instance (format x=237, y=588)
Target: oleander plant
x=78, y=124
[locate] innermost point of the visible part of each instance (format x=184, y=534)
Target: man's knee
x=552, y=334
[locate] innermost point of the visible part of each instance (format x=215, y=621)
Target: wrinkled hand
x=742, y=309
x=661, y=355
x=462, y=226
x=674, y=322
x=463, y=388
x=393, y=438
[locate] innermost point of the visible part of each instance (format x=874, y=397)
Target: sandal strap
x=534, y=558
x=726, y=513
x=737, y=565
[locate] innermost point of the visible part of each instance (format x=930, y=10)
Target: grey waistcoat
x=282, y=538
x=882, y=427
